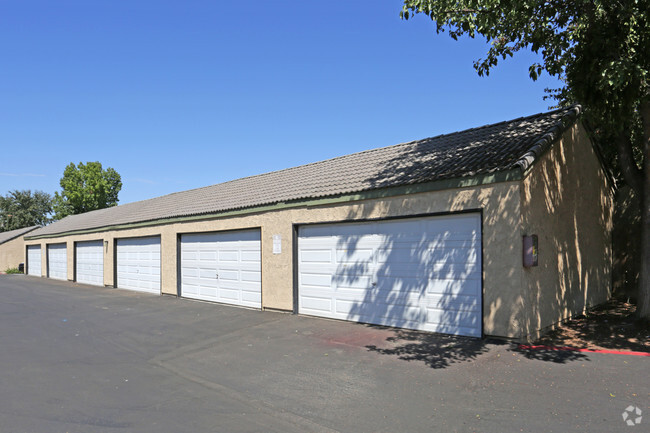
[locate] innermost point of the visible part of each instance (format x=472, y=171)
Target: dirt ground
x=608, y=326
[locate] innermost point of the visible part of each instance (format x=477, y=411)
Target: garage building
x=12, y=247
x=432, y=234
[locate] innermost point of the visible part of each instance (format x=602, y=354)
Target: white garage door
x=222, y=267
x=420, y=273
x=138, y=264
x=57, y=261
x=89, y=262
x=34, y=260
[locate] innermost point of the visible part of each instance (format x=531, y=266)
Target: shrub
x=13, y=271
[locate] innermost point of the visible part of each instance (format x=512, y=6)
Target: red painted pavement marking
x=575, y=349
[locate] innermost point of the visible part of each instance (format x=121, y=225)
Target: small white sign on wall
x=277, y=244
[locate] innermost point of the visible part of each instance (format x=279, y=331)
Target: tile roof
x=12, y=234
x=484, y=150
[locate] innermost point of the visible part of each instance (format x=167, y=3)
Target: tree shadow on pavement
x=435, y=350
x=440, y=350
x=555, y=355
x=612, y=325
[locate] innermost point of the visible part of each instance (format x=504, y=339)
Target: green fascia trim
x=485, y=179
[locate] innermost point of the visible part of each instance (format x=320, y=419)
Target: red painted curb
x=575, y=349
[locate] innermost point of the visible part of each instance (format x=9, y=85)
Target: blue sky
x=181, y=94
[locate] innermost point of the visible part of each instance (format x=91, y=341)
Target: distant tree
x=86, y=187
x=20, y=209
x=600, y=49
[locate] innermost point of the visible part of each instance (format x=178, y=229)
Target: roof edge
x=548, y=139
x=28, y=229
x=461, y=182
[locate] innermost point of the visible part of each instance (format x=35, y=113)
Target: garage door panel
x=89, y=262
x=319, y=267
x=228, y=293
x=187, y=273
x=316, y=280
x=315, y=304
x=205, y=256
x=238, y=266
x=446, y=255
x=354, y=256
x=469, y=331
x=442, y=318
x=437, y=319
x=422, y=284
x=229, y=256
x=398, y=298
x=239, y=286
x=250, y=297
x=343, y=308
x=204, y=282
x=189, y=287
x=210, y=275
x=460, y=303
x=207, y=292
x=191, y=255
x=251, y=256
x=138, y=264
x=421, y=274
x=202, y=240
x=351, y=270
x=401, y=317
x=251, y=277
x=226, y=275
x=353, y=282
x=228, y=265
x=57, y=262
x=229, y=281
x=453, y=257
x=454, y=288
x=316, y=256
x=384, y=312
x=34, y=260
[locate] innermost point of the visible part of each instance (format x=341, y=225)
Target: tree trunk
x=643, y=303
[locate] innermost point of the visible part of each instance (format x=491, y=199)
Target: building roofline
x=463, y=182
x=132, y=214
x=19, y=233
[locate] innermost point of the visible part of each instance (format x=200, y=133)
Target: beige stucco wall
x=567, y=202
x=11, y=253
x=503, y=294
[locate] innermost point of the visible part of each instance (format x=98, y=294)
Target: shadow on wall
x=568, y=205
x=423, y=274
x=411, y=275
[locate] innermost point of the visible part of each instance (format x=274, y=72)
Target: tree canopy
x=600, y=49
x=20, y=209
x=86, y=187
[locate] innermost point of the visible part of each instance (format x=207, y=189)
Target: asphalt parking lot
x=77, y=358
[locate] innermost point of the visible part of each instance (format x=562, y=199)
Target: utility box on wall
x=530, y=251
